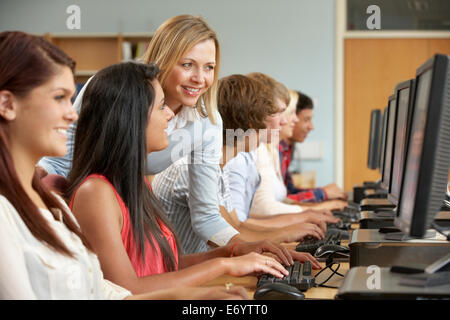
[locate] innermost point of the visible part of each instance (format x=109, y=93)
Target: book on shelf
x=133, y=51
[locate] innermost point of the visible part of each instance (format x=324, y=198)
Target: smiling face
x=191, y=76
x=303, y=126
x=158, y=120
x=42, y=117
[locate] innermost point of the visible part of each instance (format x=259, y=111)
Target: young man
x=301, y=128
x=244, y=105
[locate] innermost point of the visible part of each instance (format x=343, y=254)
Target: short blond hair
x=171, y=41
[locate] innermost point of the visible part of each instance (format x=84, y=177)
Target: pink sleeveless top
x=154, y=262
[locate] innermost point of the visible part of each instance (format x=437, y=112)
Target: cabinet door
x=373, y=67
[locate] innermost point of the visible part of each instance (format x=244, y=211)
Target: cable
x=325, y=286
x=440, y=230
x=334, y=271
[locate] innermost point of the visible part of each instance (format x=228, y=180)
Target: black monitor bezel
x=375, y=128
x=383, y=139
x=385, y=184
x=402, y=85
x=432, y=179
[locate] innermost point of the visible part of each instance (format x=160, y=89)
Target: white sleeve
x=264, y=202
x=14, y=279
x=112, y=291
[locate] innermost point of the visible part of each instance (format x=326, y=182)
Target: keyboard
x=340, y=225
x=347, y=215
x=300, y=276
x=311, y=244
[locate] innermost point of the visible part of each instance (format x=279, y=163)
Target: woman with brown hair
x=44, y=254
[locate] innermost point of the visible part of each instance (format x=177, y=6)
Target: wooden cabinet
x=95, y=51
x=372, y=69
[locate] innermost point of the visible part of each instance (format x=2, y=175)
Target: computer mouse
x=278, y=291
x=328, y=249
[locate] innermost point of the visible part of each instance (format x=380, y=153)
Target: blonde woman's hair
x=292, y=102
x=172, y=40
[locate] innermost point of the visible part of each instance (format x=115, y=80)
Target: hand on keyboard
x=334, y=192
x=318, y=218
x=265, y=246
x=297, y=232
x=305, y=256
x=330, y=205
x=299, y=276
x=253, y=263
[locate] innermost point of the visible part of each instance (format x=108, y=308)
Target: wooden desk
x=249, y=283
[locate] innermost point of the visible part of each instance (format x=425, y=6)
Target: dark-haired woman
x=43, y=253
x=113, y=202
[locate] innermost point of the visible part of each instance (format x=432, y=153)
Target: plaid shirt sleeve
x=309, y=195
x=294, y=193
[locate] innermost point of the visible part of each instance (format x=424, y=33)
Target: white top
x=30, y=269
x=271, y=192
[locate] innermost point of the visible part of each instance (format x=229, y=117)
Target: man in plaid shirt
x=299, y=132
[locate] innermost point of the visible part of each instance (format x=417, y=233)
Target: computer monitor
x=428, y=152
x=373, y=156
x=389, y=144
x=403, y=92
x=383, y=140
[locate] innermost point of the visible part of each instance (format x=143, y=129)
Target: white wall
x=291, y=40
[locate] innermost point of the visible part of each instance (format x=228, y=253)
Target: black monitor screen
x=373, y=156
x=400, y=144
x=389, y=145
x=415, y=146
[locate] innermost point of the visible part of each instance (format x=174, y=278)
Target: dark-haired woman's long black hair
x=110, y=140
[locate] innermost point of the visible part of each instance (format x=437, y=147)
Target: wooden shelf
x=95, y=51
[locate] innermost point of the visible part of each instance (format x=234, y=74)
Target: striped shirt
x=171, y=186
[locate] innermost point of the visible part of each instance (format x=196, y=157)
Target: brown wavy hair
x=279, y=90
x=244, y=103
x=27, y=62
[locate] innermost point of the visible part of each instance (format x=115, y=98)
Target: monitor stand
x=370, y=247
x=385, y=218
x=375, y=194
x=380, y=283
x=358, y=191
x=372, y=204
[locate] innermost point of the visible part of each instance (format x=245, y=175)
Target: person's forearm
x=188, y=260
x=250, y=232
x=195, y=275
x=274, y=221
